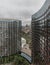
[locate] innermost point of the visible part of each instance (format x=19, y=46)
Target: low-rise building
x=23, y=42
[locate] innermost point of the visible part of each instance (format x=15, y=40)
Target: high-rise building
x=10, y=36
x=41, y=33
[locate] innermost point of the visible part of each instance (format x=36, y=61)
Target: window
x=49, y=59
x=49, y=53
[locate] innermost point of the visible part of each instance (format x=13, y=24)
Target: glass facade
x=10, y=37
x=41, y=34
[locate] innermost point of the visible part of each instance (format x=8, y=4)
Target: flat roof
x=10, y=19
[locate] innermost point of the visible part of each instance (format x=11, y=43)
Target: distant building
x=41, y=33
x=10, y=36
x=23, y=42
x=26, y=29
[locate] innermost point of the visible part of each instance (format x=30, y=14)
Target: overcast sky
x=20, y=9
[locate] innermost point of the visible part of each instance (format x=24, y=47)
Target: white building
x=23, y=42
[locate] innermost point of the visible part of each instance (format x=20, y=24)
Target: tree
x=37, y=59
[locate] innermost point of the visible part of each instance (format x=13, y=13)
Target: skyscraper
x=41, y=33
x=10, y=36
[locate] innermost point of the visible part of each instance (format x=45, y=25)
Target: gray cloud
x=20, y=9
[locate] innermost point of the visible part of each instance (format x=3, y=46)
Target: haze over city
x=24, y=32
x=20, y=9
